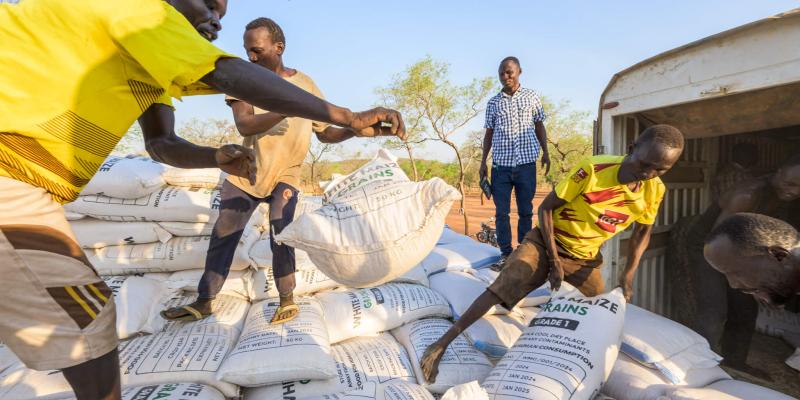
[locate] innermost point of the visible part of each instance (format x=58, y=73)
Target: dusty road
x=478, y=213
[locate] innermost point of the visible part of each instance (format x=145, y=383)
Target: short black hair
x=275, y=31
x=513, y=59
x=755, y=233
x=666, y=135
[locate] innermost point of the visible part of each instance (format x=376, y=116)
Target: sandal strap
x=197, y=314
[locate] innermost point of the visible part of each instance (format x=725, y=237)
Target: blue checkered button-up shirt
x=511, y=118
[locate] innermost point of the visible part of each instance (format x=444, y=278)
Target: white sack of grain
x=137, y=300
x=461, y=362
x=129, y=177
x=94, y=233
x=267, y=354
x=665, y=345
x=363, y=366
x=209, y=178
x=630, y=380
x=358, y=312
x=375, y=224
x=177, y=254
x=169, y=203
x=237, y=283
x=562, y=355
x=186, y=351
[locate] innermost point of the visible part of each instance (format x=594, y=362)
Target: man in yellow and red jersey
x=601, y=197
x=75, y=75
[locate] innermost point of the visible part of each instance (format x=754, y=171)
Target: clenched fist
x=237, y=160
x=374, y=122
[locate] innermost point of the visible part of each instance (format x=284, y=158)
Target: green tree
x=397, y=97
x=424, y=93
x=210, y=132
x=569, y=138
x=315, y=161
x=472, y=150
x=131, y=143
x=204, y=132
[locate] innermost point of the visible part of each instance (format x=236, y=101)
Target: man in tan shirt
x=280, y=145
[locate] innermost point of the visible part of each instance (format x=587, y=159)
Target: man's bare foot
x=430, y=361
x=191, y=312
x=287, y=310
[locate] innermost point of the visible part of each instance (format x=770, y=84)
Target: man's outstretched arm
x=550, y=203
x=266, y=90
x=163, y=145
x=640, y=239
x=334, y=134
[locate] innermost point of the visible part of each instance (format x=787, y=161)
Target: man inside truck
x=724, y=316
x=759, y=255
x=603, y=195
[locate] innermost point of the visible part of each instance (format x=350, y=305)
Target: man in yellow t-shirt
x=76, y=75
x=602, y=196
x=281, y=145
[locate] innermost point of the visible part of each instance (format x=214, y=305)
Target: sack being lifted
x=375, y=224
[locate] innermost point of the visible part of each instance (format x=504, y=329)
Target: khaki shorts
x=527, y=268
x=55, y=311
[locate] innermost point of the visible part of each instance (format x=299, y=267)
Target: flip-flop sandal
x=193, y=314
x=284, y=309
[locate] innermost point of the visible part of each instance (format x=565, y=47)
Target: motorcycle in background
x=488, y=233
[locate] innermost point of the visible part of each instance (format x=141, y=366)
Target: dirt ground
x=766, y=352
x=477, y=213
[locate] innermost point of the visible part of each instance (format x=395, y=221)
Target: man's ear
x=630, y=148
x=778, y=252
x=281, y=47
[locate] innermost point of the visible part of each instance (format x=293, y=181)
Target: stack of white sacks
x=367, y=313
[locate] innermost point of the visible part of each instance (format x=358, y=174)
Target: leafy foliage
x=435, y=107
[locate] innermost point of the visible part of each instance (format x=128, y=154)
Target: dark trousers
x=724, y=316
x=522, y=179
x=236, y=207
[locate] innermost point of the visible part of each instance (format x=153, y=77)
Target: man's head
x=758, y=254
x=264, y=42
x=509, y=72
x=204, y=15
x=786, y=181
x=655, y=151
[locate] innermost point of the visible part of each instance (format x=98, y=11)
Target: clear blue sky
x=569, y=49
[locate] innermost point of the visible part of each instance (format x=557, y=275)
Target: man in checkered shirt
x=516, y=135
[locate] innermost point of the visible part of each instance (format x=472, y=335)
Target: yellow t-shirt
x=598, y=206
x=77, y=73
x=280, y=151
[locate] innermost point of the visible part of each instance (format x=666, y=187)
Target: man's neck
x=283, y=71
x=510, y=91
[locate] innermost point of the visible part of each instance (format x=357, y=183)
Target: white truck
x=741, y=85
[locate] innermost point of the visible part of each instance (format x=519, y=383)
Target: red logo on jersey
x=602, y=195
x=609, y=220
x=580, y=175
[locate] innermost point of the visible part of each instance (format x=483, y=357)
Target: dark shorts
x=527, y=268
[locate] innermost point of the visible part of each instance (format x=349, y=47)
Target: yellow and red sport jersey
x=598, y=206
x=77, y=73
